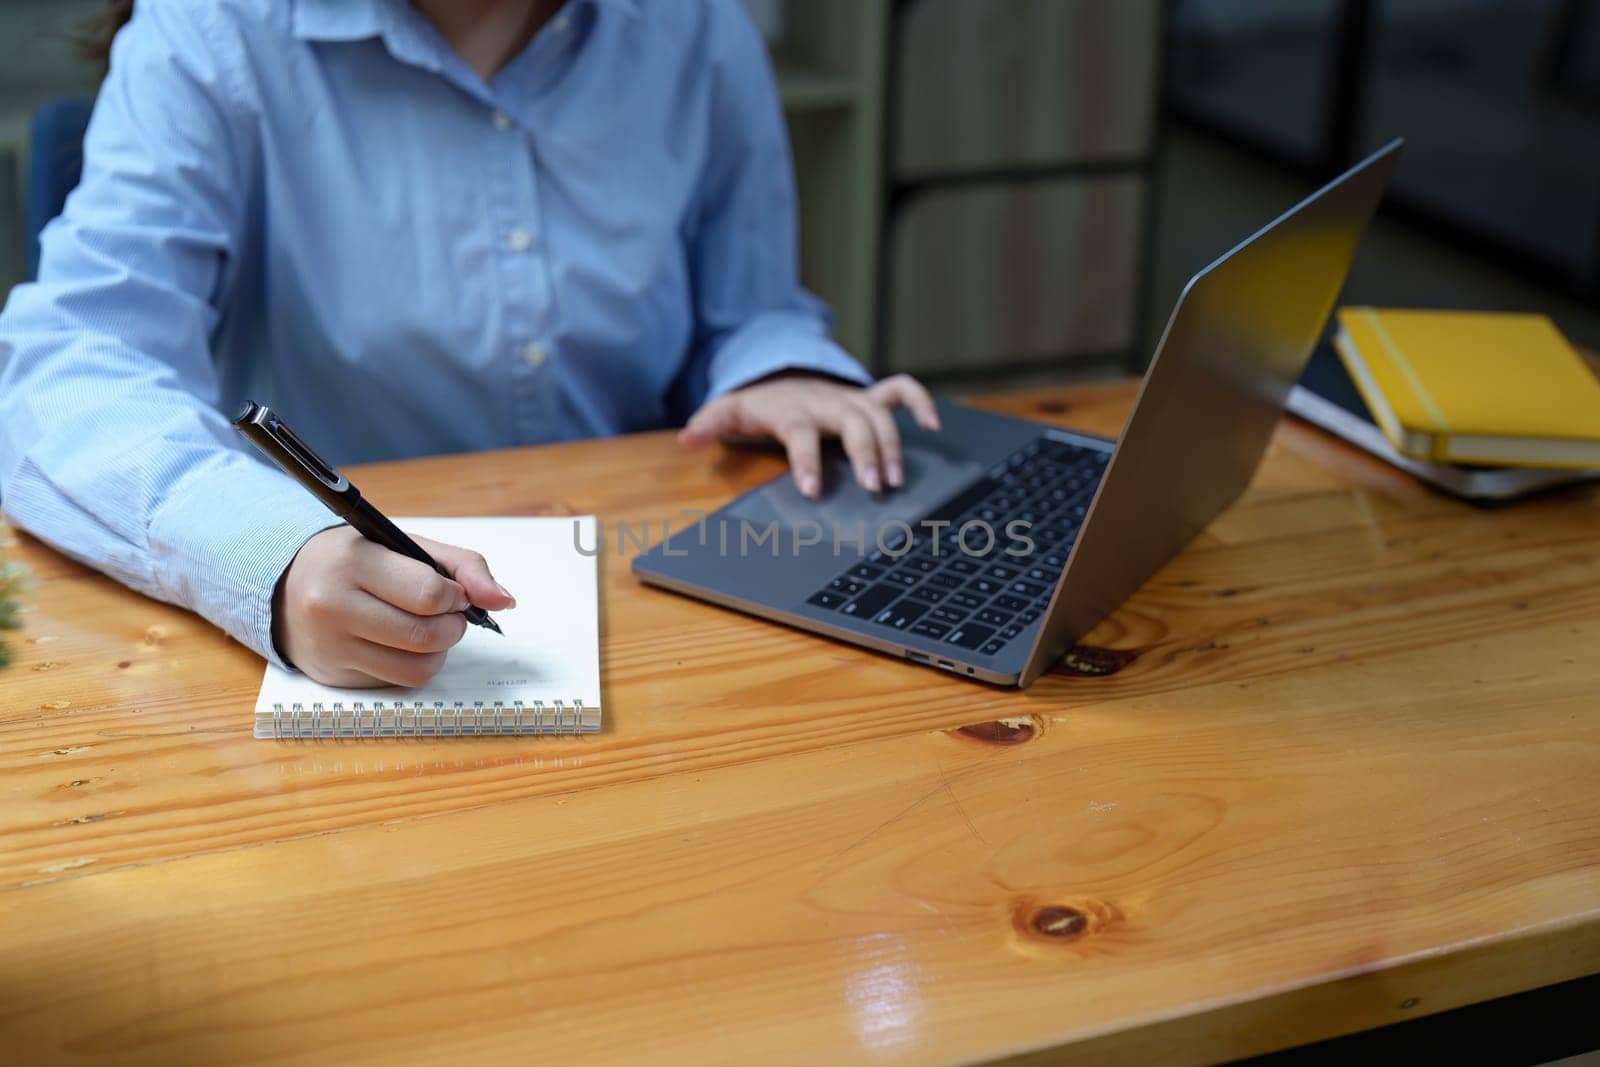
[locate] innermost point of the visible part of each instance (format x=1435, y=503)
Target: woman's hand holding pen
x=354, y=614
x=800, y=409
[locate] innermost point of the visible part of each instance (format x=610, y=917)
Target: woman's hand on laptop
x=353, y=614
x=800, y=409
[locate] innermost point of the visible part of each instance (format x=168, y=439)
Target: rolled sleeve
x=229, y=571
x=780, y=341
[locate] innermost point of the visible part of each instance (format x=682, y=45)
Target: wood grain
x=1331, y=768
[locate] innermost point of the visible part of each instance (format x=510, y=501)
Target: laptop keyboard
x=977, y=596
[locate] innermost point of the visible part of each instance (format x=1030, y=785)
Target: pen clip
x=291, y=445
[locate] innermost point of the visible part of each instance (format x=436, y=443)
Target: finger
x=902, y=390
x=384, y=624
x=394, y=667
x=471, y=572
x=800, y=440
x=887, y=436
x=860, y=444
x=712, y=422
x=405, y=583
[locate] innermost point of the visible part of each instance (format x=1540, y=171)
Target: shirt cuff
x=224, y=537
x=779, y=341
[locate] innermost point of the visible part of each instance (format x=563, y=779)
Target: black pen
x=272, y=435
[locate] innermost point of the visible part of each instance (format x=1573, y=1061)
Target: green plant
x=13, y=580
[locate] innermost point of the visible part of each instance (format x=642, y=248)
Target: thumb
x=471, y=572
x=712, y=422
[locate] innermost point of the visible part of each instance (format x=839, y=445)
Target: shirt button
x=561, y=22
x=501, y=120
x=534, y=355
x=519, y=240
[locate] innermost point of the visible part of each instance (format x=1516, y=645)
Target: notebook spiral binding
x=438, y=718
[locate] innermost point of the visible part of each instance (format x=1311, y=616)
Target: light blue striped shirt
x=316, y=204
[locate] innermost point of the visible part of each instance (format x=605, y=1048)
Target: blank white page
x=550, y=648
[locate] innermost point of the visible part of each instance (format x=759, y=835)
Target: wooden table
x=1336, y=766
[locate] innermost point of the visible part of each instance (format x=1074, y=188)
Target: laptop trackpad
x=932, y=477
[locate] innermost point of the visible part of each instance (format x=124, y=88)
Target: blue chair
x=55, y=163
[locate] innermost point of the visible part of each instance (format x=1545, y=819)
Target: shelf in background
x=828, y=57
x=807, y=87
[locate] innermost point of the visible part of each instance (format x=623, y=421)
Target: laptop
x=1010, y=539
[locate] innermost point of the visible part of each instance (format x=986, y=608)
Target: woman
x=412, y=228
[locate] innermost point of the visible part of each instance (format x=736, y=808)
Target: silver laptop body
x=1010, y=540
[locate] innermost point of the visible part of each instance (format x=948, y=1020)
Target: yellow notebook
x=1473, y=387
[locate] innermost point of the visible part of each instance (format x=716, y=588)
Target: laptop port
x=947, y=665
x=918, y=656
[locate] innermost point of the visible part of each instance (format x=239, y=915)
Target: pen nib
x=491, y=624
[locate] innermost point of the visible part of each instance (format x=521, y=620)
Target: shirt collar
x=336, y=20
x=355, y=20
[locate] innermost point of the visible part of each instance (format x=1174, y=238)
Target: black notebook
x=1326, y=397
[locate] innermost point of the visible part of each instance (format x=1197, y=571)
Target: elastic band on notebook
x=1406, y=371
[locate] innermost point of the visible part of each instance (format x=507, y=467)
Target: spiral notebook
x=541, y=676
